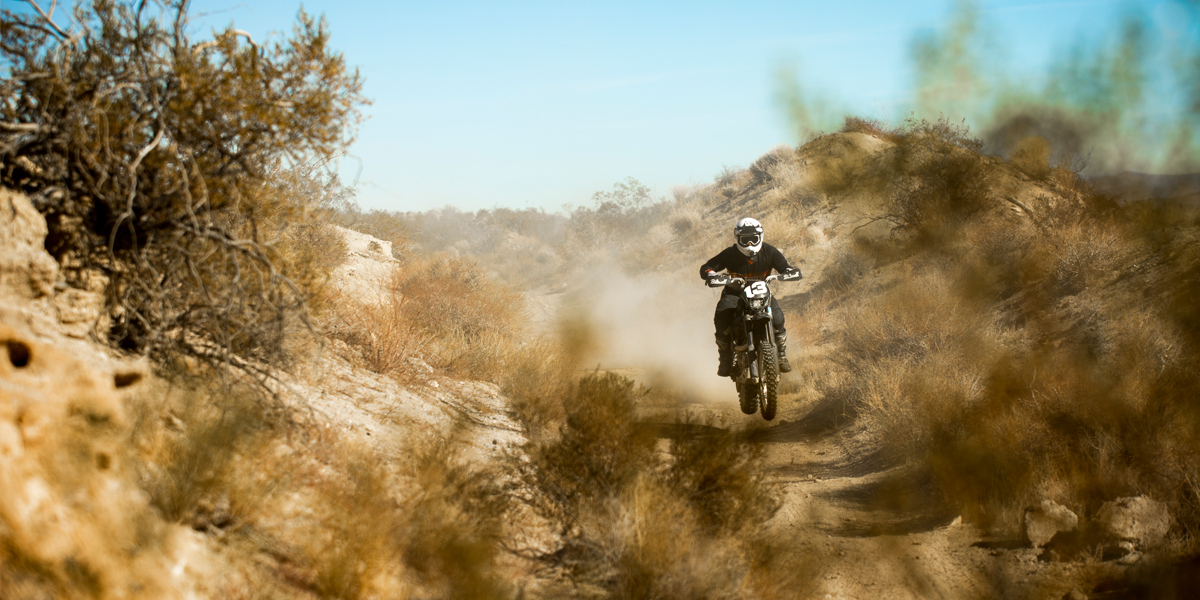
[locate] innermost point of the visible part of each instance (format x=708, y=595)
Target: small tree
x=151, y=156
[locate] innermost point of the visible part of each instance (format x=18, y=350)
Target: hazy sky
x=541, y=104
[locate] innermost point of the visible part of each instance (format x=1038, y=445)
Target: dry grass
x=325, y=515
x=387, y=341
x=872, y=127
x=634, y=527
x=1032, y=157
x=442, y=309
x=762, y=170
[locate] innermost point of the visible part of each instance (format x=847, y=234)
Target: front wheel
x=748, y=397
x=770, y=380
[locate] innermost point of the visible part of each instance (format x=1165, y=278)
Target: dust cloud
x=656, y=325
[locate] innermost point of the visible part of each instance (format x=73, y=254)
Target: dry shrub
x=1032, y=157
x=441, y=309
x=716, y=473
x=152, y=154
x=762, y=170
x=633, y=527
x=940, y=179
x=787, y=232
x=848, y=266
x=189, y=438
x=472, y=317
x=656, y=548
x=598, y=451
x=535, y=380
x=335, y=518
x=871, y=127
x=1020, y=361
x=385, y=338
x=451, y=527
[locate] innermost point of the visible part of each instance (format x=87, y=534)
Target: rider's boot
x=726, y=356
x=781, y=345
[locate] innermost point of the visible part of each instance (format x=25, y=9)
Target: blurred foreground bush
x=1019, y=356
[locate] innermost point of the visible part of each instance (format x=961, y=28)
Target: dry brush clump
x=632, y=525
x=1015, y=358
x=298, y=510
x=872, y=127
x=153, y=157
x=444, y=310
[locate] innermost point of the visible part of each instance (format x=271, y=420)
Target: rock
x=1130, y=558
x=1137, y=519
x=68, y=505
x=79, y=311
x=1117, y=551
x=27, y=272
x=1046, y=519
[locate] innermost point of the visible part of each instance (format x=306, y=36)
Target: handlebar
x=723, y=280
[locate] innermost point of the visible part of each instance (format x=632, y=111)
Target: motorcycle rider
x=752, y=259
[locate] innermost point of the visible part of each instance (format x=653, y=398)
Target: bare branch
x=112, y=236
x=20, y=126
x=49, y=21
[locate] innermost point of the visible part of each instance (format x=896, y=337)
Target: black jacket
x=739, y=265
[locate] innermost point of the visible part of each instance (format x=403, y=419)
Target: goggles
x=750, y=239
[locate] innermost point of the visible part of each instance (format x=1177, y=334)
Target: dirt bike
x=755, y=358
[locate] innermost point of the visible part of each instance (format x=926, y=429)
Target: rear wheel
x=748, y=397
x=770, y=378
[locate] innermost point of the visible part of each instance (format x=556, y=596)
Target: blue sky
x=482, y=104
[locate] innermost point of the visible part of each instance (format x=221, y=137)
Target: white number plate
x=757, y=288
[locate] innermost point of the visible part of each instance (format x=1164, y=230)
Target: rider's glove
x=792, y=273
x=717, y=280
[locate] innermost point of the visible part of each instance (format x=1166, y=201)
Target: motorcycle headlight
x=758, y=303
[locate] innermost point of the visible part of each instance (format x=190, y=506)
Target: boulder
x=1138, y=519
x=1046, y=519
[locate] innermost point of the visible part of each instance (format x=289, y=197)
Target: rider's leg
x=722, y=319
x=780, y=336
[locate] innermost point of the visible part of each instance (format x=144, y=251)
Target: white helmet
x=748, y=234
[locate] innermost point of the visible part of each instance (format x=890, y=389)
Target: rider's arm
x=714, y=265
x=779, y=262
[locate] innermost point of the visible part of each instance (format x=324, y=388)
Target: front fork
x=750, y=348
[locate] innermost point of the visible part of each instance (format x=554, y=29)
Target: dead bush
x=473, y=317
x=634, y=527
x=762, y=169
x=1015, y=362
x=716, y=472
x=599, y=450
x=387, y=340
x=871, y=127
x=150, y=153
x=189, y=436
x=940, y=179
x=1032, y=157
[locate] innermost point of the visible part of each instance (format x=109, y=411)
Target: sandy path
x=866, y=524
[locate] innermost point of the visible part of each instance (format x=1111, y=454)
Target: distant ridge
x=1129, y=186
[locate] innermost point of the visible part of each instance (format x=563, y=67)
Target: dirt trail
x=869, y=530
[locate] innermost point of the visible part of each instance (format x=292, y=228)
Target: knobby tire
x=748, y=397
x=770, y=374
